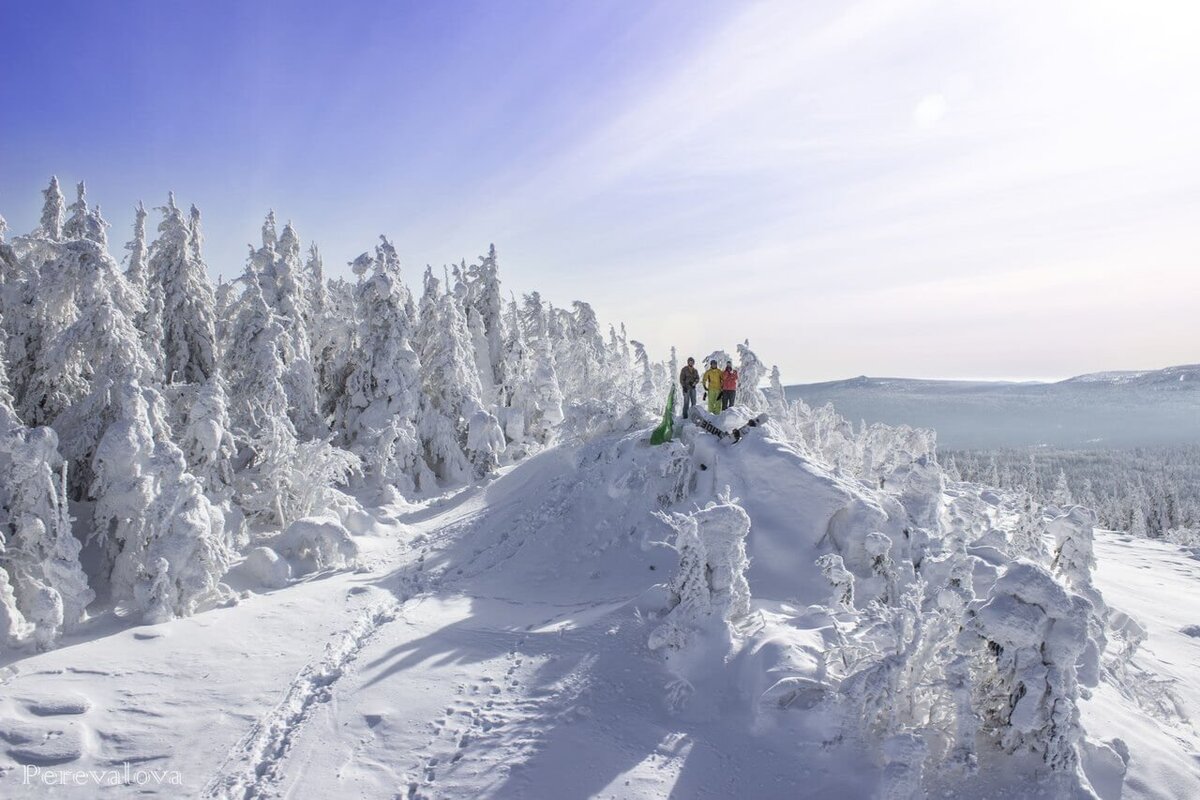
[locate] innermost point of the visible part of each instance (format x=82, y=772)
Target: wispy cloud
x=896, y=161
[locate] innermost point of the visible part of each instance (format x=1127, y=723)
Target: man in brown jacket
x=688, y=378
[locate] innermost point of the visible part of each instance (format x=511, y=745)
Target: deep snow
x=494, y=644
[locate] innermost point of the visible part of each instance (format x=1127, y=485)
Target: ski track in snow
x=254, y=767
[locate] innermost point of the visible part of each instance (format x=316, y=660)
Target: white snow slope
x=494, y=644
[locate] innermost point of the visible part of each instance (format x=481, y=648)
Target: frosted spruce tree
x=484, y=297
x=645, y=374
x=43, y=590
x=283, y=282
x=378, y=410
x=450, y=389
x=164, y=541
x=207, y=440
x=286, y=479
x=751, y=373
x=189, y=337
x=84, y=222
x=88, y=343
x=544, y=411
x=137, y=269
x=53, y=212
x=515, y=397
x=1061, y=495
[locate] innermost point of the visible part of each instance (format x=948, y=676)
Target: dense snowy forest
x=1151, y=492
x=167, y=423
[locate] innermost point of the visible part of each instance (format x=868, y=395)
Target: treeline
x=1145, y=491
x=186, y=419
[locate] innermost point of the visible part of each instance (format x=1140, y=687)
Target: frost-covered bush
x=710, y=584
x=315, y=543
x=268, y=569
x=485, y=442
x=1027, y=536
x=288, y=479
x=840, y=578
x=1035, y=633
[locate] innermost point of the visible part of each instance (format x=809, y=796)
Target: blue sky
x=892, y=188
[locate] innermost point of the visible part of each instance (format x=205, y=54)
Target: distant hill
x=1104, y=409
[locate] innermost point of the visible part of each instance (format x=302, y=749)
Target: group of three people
x=720, y=386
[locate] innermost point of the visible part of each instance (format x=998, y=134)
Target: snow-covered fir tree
x=450, y=387
x=378, y=409
x=43, y=589
x=53, y=211
x=189, y=336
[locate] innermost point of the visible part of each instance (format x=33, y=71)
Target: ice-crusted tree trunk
x=580, y=357
x=379, y=407
x=485, y=442
x=137, y=271
x=1075, y=561
x=149, y=320
x=776, y=399
x=189, y=335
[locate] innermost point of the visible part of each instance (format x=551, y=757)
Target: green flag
x=666, y=428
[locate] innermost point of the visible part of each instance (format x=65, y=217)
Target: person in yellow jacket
x=712, y=387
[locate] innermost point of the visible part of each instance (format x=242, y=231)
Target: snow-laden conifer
x=43, y=590
x=188, y=316
x=378, y=410
x=53, y=212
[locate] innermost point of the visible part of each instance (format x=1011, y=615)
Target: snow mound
x=313, y=544
x=267, y=568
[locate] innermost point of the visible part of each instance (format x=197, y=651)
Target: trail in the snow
x=255, y=765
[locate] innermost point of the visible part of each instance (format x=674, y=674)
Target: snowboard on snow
x=736, y=433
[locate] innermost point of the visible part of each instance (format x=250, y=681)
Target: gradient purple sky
x=931, y=189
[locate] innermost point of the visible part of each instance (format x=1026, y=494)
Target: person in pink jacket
x=728, y=385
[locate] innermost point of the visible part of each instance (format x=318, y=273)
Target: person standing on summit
x=728, y=385
x=712, y=387
x=688, y=378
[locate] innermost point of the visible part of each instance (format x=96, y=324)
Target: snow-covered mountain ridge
x=1110, y=409
x=497, y=642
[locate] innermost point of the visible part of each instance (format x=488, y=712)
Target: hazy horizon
x=880, y=188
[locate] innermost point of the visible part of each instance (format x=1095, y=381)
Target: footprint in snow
x=57, y=704
x=43, y=745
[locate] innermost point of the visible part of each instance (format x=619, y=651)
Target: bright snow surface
x=494, y=644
